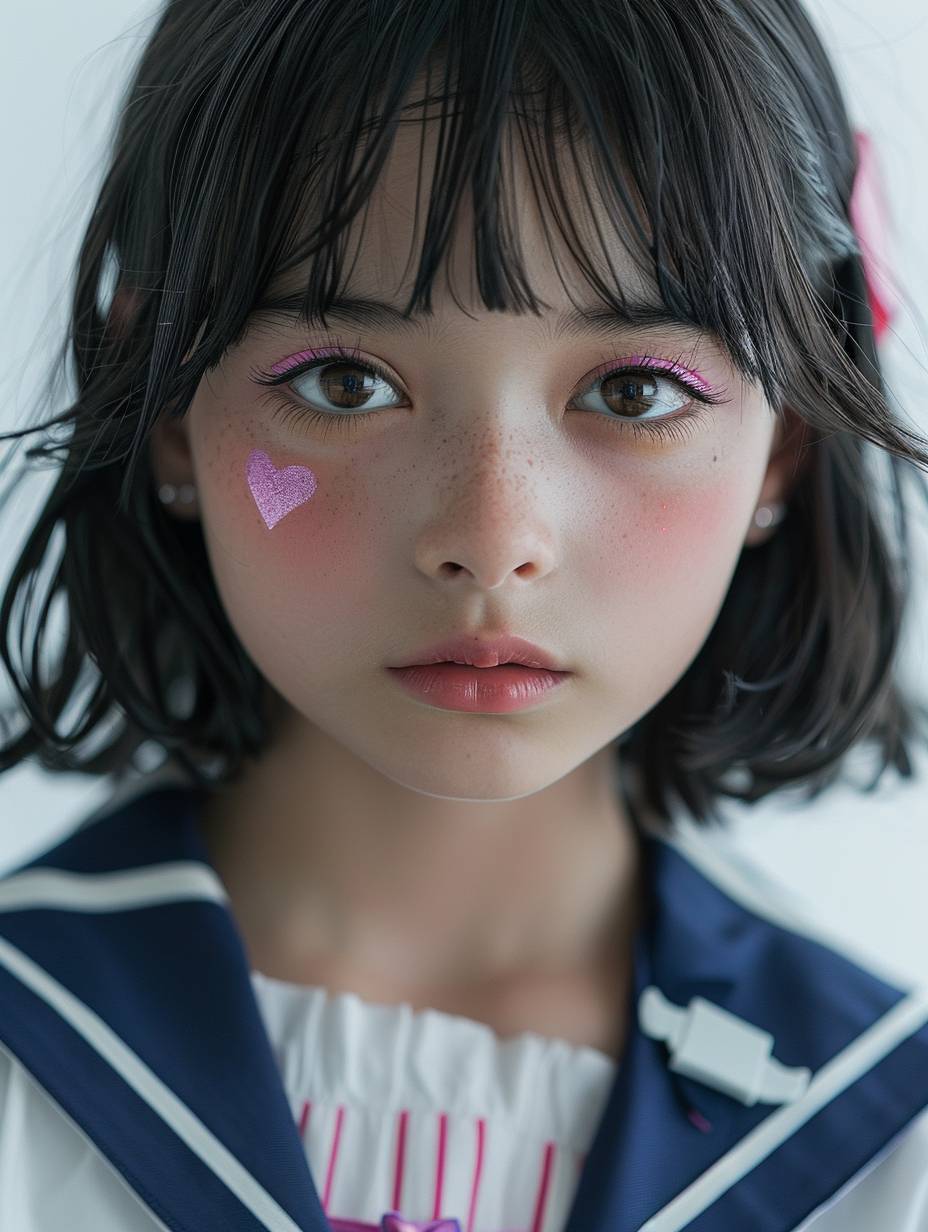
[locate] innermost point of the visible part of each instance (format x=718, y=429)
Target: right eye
x=336, y=381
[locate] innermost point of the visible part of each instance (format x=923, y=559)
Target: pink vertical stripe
x=541, y=1201
x=333, y=1156
x=304, y=1119
x=397, y=1202
x=478, y=1168
x=440, y=1166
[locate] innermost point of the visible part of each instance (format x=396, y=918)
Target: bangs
x=640, y=115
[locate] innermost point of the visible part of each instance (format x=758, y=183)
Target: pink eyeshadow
x=292, y=361
x=650, y=362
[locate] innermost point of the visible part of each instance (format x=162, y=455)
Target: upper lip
x=480, y=650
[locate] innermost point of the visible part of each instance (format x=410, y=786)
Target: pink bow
x=393, y=1221
x=871, y=221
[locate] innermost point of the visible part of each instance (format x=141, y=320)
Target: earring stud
x=168, y=493
x=769, y=515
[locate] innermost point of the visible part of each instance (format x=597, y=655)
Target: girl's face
x=482, y=478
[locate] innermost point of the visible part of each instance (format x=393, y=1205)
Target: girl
x=467, y=480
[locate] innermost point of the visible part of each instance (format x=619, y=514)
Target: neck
x=322, y=856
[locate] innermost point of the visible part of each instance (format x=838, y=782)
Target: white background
x=859, y=860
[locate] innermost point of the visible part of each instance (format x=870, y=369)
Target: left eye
x=618, y=392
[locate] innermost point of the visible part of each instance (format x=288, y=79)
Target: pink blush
x=693, y=526
x=277, y=492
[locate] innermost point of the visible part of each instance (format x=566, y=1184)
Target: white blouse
x=431, y=1114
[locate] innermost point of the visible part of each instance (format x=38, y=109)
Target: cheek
x=286, y=537
x=656, y=534
x=663, y=564
x=653, y=588
x=693, y=526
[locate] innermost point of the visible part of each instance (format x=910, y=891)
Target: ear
x=172, y=466
x=790, y=455
x=122, y=309
x=169, y=441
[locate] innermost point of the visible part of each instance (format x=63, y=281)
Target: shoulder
x=789, y=916
x=51, y=1174
x=127, y=829
x=850, y=1154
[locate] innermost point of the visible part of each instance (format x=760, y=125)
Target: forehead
x=397, y=215
x=550, y=218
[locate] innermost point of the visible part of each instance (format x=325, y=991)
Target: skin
x=478, y=863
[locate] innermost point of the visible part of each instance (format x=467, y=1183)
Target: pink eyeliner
x=292, y=361
x=649, y=361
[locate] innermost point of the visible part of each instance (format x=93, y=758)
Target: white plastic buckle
x=720, y=1049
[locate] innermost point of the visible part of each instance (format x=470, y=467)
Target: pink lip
x=484, y=652
x=488, y=690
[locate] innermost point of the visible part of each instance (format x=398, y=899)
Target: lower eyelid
x=679, y=427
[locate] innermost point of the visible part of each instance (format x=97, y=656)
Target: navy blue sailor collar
x=126, y=992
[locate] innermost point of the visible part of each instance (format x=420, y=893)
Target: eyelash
x=678, y=427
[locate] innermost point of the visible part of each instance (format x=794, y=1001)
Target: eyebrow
x=377, y=314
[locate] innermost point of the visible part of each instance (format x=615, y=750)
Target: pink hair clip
x=870, y=219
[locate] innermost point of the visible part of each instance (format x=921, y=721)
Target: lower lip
x=488, y=690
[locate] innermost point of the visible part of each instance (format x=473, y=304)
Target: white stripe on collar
x=179, y=880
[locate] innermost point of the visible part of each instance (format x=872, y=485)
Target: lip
x=482, y=690
x=484, y=651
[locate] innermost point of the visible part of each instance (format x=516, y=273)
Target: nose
x=488, y=541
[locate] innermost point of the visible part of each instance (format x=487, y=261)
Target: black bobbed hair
x=250, y=137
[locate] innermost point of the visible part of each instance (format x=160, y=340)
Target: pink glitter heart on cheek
x=277, y=492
